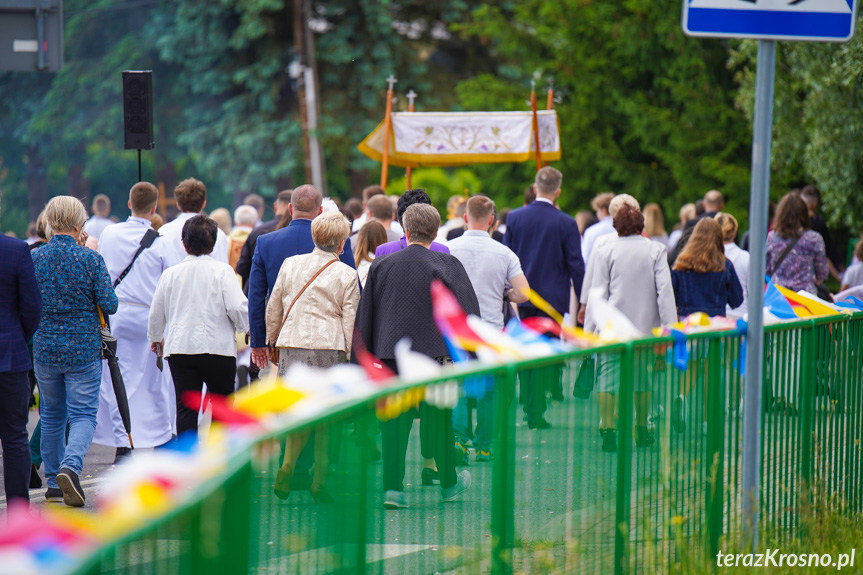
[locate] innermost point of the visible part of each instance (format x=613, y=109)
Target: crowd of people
x=220, y=302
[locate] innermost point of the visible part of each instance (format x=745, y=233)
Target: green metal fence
x=551, y=498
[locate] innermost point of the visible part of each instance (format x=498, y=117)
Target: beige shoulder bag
x=274, y=352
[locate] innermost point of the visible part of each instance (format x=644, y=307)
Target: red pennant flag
x=222, y=410
x=374, y=367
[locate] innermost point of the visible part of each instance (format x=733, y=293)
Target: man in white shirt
x=380, y=209
x=191, y=196
x=605, y=225
x=100, y=220
x=368, y=193
x=455, y=218
x=150, y=391
x=497, y=278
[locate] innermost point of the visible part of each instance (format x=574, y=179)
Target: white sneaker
x=461, y=485
x=395, y=500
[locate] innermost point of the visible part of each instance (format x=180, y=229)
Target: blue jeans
x=68, y=393
x=484, y=422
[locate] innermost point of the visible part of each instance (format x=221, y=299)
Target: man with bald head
x=713, y=202
x=271, y=251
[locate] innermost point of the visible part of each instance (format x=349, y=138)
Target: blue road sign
x=806, y=20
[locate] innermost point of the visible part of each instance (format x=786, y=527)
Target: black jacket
x=244, y=264
x=396, y=300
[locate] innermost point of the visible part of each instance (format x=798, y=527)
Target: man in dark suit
x=548, y=244
x=244, y=264
x=20, y=312
x=713, y=204
x=397, y=304
x=271, y=251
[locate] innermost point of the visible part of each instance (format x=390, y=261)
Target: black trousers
x=534, y=384
x=436, y=438
x=437, y=441
x=14, y=407
x=190, y=373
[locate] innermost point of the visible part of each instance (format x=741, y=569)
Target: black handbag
x=586, y=379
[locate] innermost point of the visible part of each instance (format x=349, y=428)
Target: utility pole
x=300, y=27
x=305, y=74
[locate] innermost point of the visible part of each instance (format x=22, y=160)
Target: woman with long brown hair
x=370, y=236
x=796, y=257
x=703, y=280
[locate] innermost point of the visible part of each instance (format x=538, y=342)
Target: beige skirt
x=312, y=357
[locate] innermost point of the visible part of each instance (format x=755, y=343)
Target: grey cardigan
x=633, y=275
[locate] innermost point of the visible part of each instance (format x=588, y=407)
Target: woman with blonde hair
x=222, y=217
x=738, y=257
x=370, y=236
x=67, y=348
x=654, y=224
x=310, y=320
x=687, y=212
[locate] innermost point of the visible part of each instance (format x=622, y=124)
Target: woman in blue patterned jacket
x=67, y=348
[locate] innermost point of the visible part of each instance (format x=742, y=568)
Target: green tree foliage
x=817, y=122
x=225, y=107
x=644, y=109
x=440, y=184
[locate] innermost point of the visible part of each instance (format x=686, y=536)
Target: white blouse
x=363, y=268
x=201, y=304
x=740, y=259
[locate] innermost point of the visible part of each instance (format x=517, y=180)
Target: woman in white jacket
x=198, y=309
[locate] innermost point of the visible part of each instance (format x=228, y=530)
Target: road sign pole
x=758, y=198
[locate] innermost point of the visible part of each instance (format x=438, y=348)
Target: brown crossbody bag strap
x=290, y=307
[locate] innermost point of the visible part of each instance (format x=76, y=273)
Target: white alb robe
x=152, y=402
x=173, y=231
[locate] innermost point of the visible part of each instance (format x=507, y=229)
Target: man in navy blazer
x=271, y=251
x=20, y=312
x=548, y=244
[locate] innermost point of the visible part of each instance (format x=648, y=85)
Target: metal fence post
x=503, y=473
x=236, y=520
x=715, y=461
x=363, y=490
x=808, y=385
x=623, y=511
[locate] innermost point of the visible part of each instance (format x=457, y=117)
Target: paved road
x=99, y=460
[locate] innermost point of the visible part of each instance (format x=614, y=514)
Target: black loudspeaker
x=138, y=110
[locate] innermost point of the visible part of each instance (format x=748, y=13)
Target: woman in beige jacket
x=310, y=320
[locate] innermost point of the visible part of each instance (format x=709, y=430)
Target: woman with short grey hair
x=67, y=348
x=310, y=320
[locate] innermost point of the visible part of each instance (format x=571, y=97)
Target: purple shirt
x=803, y=266
x=393, y=247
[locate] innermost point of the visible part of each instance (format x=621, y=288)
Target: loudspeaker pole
x=138, y=112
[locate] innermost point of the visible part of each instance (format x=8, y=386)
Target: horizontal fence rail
x=565, y=498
